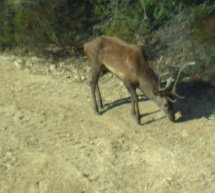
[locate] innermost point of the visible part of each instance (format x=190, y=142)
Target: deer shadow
x=127, y=100
x=119, y=102
x=199, y=101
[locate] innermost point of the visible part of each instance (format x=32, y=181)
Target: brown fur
x=128, y=62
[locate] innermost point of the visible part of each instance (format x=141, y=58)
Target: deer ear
x=156, y=92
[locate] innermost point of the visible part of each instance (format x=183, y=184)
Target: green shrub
x=6, y=35
x=203, y=24
x=35, y=23
x=118, y=28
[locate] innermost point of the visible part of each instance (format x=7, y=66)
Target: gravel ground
x=51, y=142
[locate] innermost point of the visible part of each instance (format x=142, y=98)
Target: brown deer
x=128, y=62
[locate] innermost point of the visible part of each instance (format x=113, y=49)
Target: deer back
x=125, y=60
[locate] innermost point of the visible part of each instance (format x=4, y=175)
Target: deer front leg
x=136, y=107
x=134, y=101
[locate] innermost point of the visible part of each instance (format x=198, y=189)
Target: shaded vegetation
x=179, y=29
x=63, y=22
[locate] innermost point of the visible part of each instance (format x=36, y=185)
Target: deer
x=128, y=62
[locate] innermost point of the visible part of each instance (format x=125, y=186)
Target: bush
x=190, y=37
x=37, y=23
x=203, y=24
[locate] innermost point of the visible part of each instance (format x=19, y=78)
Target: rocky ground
x=51, y=142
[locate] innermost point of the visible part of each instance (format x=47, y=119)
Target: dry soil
x=51, y=142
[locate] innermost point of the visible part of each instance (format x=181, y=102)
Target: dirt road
x=51, y=142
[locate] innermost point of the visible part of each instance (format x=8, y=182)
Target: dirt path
x=51, y=142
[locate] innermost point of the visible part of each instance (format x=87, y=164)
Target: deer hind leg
x=99, y=97
x=103, y=71
x=134, y=101
x=95, y=89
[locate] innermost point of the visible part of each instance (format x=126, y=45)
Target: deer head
x=167, y=96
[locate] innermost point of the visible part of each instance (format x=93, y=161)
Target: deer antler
x=173, y=92
x=160, y=75
x=170, y=80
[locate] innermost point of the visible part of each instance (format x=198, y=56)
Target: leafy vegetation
x=204, y=23
x=185, y=29
x=34, y=23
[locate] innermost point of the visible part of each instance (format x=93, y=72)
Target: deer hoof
x=97, y=113
x=138, y=120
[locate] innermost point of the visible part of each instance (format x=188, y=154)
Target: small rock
x=62, y=117
x=212, y=117
x=61, y=64
x=30, y=64
x=18, y=65
x=42, y=112
x=68, y=76
x=18, y=115
x=52, y=67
